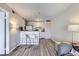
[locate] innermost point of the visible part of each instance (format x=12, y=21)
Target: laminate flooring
x=46, y=47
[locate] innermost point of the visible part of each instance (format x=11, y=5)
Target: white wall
x=60, y=23
x=14, y=34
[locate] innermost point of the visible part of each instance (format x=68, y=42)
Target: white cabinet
x=29, y=37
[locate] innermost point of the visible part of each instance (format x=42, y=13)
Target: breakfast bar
x=29, y=37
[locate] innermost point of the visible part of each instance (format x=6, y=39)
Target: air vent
x=48, y=20
x=13, y=11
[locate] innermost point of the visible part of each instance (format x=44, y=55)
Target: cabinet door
x=2, y=32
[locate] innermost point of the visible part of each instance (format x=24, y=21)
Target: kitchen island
x=29, y=37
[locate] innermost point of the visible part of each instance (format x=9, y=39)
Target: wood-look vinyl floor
x=46, y=47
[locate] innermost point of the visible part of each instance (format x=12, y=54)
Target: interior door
x=2, y=32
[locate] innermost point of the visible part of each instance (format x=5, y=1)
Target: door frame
x=5, y=18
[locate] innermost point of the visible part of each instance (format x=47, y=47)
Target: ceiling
x=39, y=10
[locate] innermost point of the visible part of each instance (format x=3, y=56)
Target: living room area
x=39, y=29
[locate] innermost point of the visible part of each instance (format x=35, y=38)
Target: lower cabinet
x=29, y=37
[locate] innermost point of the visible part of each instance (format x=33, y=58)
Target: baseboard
x=10, y=52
